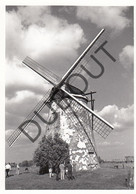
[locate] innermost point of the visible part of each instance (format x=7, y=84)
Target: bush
x=50, y=153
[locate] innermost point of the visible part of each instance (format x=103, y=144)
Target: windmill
x=70, y=103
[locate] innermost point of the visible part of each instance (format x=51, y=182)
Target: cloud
x=18, y=107
x=112, y=17
x=21, y=96
x=126, y=57
x=49, y=40
x=121, y=119
x=8, y=132
x=19, y=78
x=35, y=32
x=67, y=9
x=33, y=14
x=14, y=35
x=31, y=131
x=121, y=140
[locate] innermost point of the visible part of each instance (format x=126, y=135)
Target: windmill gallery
x=69, y=114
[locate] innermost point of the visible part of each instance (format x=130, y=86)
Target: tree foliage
x=50, y=153
x=26, y=163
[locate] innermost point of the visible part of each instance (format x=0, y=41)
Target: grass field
x=100, y=179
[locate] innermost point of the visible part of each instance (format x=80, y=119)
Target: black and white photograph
x=69, y=97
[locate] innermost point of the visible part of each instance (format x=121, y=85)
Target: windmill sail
x=45, y=101
x=83, y=60
x=77, y=63
x=42, y=71
x=101, y=126
x=90, y=64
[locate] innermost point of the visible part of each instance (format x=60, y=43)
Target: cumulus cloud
x=35, y=32
x=121, y=140
x=19, y=78
x=31, y=131
x=126, y=57
x=120, y=118
x=19, y=107
x=33, y=14
x=112, y=17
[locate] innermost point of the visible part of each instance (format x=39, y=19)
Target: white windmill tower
x=75, y=127
x=72, y=118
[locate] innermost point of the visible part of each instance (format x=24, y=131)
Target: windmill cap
x=81, y=97
x=76, y=92
x=73, y=90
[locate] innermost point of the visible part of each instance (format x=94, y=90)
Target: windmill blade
x=45, y=101
x=42, y=71
x=78, y=62
x=101, y=126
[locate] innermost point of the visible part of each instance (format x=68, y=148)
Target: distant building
x=129, y=159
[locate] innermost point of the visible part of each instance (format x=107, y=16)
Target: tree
x=26, y=163
x=50, y=153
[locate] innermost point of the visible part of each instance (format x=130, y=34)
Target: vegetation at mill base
x=50, y=153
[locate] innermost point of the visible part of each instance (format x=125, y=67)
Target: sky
x=55, y=36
